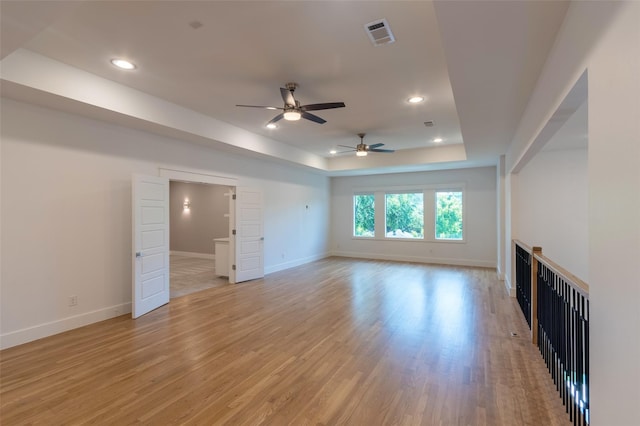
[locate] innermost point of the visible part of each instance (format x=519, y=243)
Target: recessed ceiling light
x=415, y=99
x=123, y=64
x=333, y=151
x=272, y=126
x=438, y=140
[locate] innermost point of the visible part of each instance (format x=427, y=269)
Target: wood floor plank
x=335, y=342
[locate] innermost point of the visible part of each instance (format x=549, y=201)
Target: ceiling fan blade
x=259, y=106
x=276, y=118
x=287, y=97
x=376, y=145
x=346, y=146
x=313, y=118
x=327, y=105
x=381, y=150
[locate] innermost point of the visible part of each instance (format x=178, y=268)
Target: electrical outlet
x=73, y=300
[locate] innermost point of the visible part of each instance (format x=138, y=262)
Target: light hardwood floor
x=335, y=342
x=192, y=274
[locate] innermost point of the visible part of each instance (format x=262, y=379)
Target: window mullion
x=429, y=214
x=379, y=215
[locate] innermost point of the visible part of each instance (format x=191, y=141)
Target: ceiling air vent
x=379, y=32
x=428, y=123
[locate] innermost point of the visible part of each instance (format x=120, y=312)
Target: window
x=404, y=214
x=448, y=215
x=428, y=213
x=363, y=215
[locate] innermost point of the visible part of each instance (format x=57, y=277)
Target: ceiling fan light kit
x=292, y=115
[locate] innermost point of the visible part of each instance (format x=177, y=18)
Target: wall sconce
x=186, y=205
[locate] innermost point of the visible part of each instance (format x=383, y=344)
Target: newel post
x=534, y=294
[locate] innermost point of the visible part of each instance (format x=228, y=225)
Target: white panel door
x=249, y=238
x=150, y=204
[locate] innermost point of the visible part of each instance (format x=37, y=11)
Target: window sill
x=410, y=240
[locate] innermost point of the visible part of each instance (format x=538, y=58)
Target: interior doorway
x=244, y=260
x=199, y=225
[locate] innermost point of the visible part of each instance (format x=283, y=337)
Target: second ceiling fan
x=292, y=109
x=363, y=149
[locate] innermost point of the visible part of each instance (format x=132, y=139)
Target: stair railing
x=555, y=304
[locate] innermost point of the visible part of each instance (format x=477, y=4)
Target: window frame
x=435, y=215
x=429, y=211
x=396, y=192
x=353, y=216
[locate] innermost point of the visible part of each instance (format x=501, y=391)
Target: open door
x=150, y=203
x=248, y=241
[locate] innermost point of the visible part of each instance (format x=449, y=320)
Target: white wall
x=604, y=39
x=614, y=226
x=479, y=248
x=66, y=214
x=551, y=207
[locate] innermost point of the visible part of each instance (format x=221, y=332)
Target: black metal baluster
x=586, y=366
x=563, y=340
x=567, y=348
x=570, y=345
x=575, y=332
x=582, y=355
x=554, y=326
x=523, y=282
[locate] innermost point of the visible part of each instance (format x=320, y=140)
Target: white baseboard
x=501, y=275
x=417, y=259
x=511, y=291
x=39, y=331
x=294, y=263
x=192, y=254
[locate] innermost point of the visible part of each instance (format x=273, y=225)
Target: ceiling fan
x=293, y=111
x=363, y=149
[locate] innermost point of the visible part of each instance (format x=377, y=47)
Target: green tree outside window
x=364, y=215
x=449, y=215
x=404, y=215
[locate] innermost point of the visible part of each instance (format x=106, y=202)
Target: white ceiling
x=475, y=62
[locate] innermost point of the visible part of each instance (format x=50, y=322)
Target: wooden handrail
x=523, y=245
x=567, y=276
